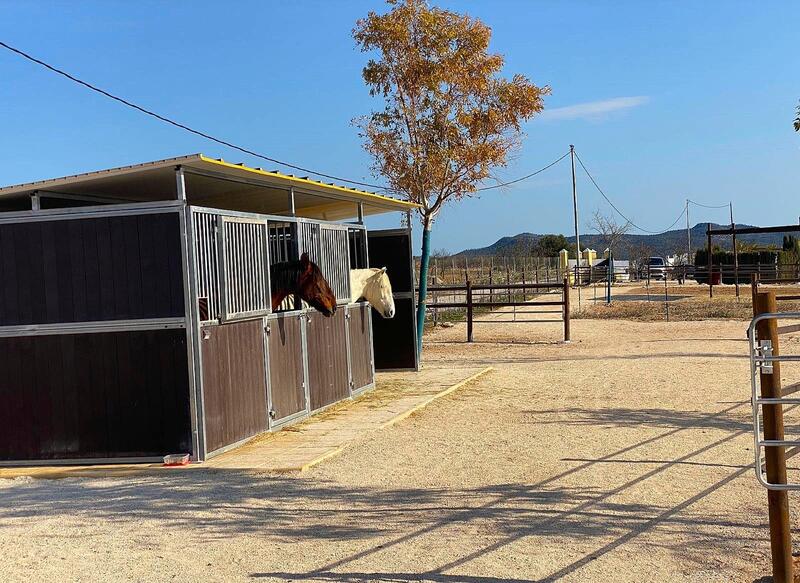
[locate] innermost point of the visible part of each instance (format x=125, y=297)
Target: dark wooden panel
x=80, y=270
x=24, y=274
x=391, y=249
x=394, y=340
x=287, y=394
x=327, y=359
x=110, y=394
x=360, y=346
x=234, y=382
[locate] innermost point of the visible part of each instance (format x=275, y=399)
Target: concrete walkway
x=304, y=445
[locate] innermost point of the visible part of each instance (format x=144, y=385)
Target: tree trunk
x=423, y=280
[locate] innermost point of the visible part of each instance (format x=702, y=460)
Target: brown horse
x=302, y=279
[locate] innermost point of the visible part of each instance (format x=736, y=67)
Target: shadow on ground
x=506, y=518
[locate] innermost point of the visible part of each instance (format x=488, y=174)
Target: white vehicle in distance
x=656, y=268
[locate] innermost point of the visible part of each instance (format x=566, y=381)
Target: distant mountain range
x=669, y=243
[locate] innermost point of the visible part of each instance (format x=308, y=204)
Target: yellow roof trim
x=377, y=198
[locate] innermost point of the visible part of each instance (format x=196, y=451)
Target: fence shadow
x=273, y=505
x=220, y=504
x=496, y=342
x=388, y=577
x=599, y=358
x=626, y=417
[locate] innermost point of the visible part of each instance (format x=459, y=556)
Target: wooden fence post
x=491, y=278
x=524, y=289
x=710, y=263
x=754, y=290
x=775, y=457
x=565, y=299
x=508, y=279
x=469, y=311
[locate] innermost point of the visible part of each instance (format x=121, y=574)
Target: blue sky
x=663, y=100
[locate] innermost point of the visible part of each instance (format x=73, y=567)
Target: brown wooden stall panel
x=101, y=395
x=91, y=269
x=360, y=332
x=327, y=359
x=234, y=382
x=287, y=393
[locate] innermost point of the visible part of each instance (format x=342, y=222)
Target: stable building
x=135, y=312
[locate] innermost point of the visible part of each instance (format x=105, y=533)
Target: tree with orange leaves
x=449, y=119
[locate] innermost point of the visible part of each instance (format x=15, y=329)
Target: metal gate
x=245, y=284
x=327, y=245
x=206, y=227
x=763, y=362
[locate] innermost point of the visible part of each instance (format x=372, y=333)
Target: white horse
x=373, y=285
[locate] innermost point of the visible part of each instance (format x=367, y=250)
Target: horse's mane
x=284, y=275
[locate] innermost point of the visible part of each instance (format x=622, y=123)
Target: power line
x=225, y=142
x=619, y=212
x=183, y=126
x=294, y=166
x=532, y=174
x=708, y=206
x=683, y=212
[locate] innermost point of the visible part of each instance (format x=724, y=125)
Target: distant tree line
x=544, y=246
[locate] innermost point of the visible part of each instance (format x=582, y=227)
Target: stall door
x=328, y=377
x=286, y=371
x=395, y=340
x=234, y=382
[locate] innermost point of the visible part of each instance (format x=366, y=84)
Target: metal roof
x=263, y=188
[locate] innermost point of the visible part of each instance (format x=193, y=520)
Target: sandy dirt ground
x=623, y=456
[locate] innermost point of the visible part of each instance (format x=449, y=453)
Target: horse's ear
x=383, y=270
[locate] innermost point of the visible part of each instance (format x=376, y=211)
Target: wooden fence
x=494, y=299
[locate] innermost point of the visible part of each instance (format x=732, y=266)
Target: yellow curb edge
x=398, y=418
x=433, y=398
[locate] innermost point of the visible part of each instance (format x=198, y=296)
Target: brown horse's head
x=314, y=289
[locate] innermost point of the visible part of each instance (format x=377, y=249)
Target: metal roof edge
x=314, y=183
x=379, y=200
x=24, y=186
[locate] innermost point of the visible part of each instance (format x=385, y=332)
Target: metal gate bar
x=761, y=362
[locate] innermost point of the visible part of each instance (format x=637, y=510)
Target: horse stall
x=136, y=313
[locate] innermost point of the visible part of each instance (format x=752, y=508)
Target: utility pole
x=575, y=213
x=688, y=236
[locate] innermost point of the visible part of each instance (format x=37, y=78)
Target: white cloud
x=594, y=109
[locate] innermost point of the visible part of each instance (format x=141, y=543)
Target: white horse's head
x=378, y=292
